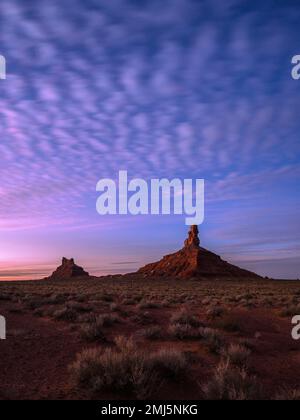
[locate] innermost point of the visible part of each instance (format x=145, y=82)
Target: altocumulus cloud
x=175, y=88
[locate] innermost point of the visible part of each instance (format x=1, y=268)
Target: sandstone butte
x=193, y=261
x=68, y=270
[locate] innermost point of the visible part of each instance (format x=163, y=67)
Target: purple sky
x=179, y=88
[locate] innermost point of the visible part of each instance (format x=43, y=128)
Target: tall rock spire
x=193, y=238
x=193, y=261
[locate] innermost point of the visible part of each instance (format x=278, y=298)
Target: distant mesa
x=193, y=261
x=68, y=270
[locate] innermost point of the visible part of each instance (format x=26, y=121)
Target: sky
x=179, y=88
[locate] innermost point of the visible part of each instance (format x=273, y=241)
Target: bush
x=92, y=332
x=149, y=305
x=231, y=383
x=143, y=319
x=126, y=368
x=114, y=307
x=290, y=311
x=65, y=314
x=184, y=331
x=78, y=307
x=183, y=317
x=237, y=355
x=288, y=395
x=171, y=363
x=216, y=312
x=153, y=333
x=213, y=339
x=107, y=320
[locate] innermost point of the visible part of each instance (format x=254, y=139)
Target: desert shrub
x=216, y=312
x=143, y=318
x=65, y=314
x=248, y=343
x=287, y=394
x=92, y=331
x=39, y=312
x=290, y=311
x=56, y=299
x=214, y=339
x=107, y=320
x=184, y=317
x=78, y=307
x=81, y=298
x=86, y=318
x=237, y=355
x=107, y=298
x=114, y=307
x=34, y=303
x=149, y=305
x=184, y=331
x=171, y=363
x=231, y=383
x=125, y=368
x=206, y=301
x=129, y=302
x=152, y=333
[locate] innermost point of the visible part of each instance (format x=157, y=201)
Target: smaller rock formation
x=68, y=270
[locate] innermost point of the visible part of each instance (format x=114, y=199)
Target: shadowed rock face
x=193, y=261
x=68, y=270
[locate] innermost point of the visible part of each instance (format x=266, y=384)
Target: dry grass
x=237, y=355
x=164, y=311
x=287, y=394
x=65, y=314
x=126, y=368
x=184, y=332
x=213, y=339
x=184, y=317
x=152, y=333
x=231, y=383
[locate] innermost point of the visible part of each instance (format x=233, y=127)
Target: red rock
x=193, y=261
x=68, y=270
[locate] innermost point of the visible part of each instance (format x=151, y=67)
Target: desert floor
x=113, y=338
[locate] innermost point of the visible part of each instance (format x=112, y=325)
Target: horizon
x=179, y=90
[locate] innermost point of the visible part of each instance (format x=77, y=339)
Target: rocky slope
x=68, y=270
x=193, y=261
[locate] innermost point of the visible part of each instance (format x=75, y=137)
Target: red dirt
x=37, y=352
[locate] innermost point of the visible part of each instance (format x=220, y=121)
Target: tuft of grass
x=237, y=355
x=290, y=311
x=184, y=332
x=231, y=383
x=92, y=331
x=126, y=368
x=143, y=318
x=214, y=340
x=216, y=312
x=149, y=305
x=286, y=394
x=107, y=320
x=152, y=333
x=65, y=314
x=184, y=317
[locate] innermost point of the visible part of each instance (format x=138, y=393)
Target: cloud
x=187, y=88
